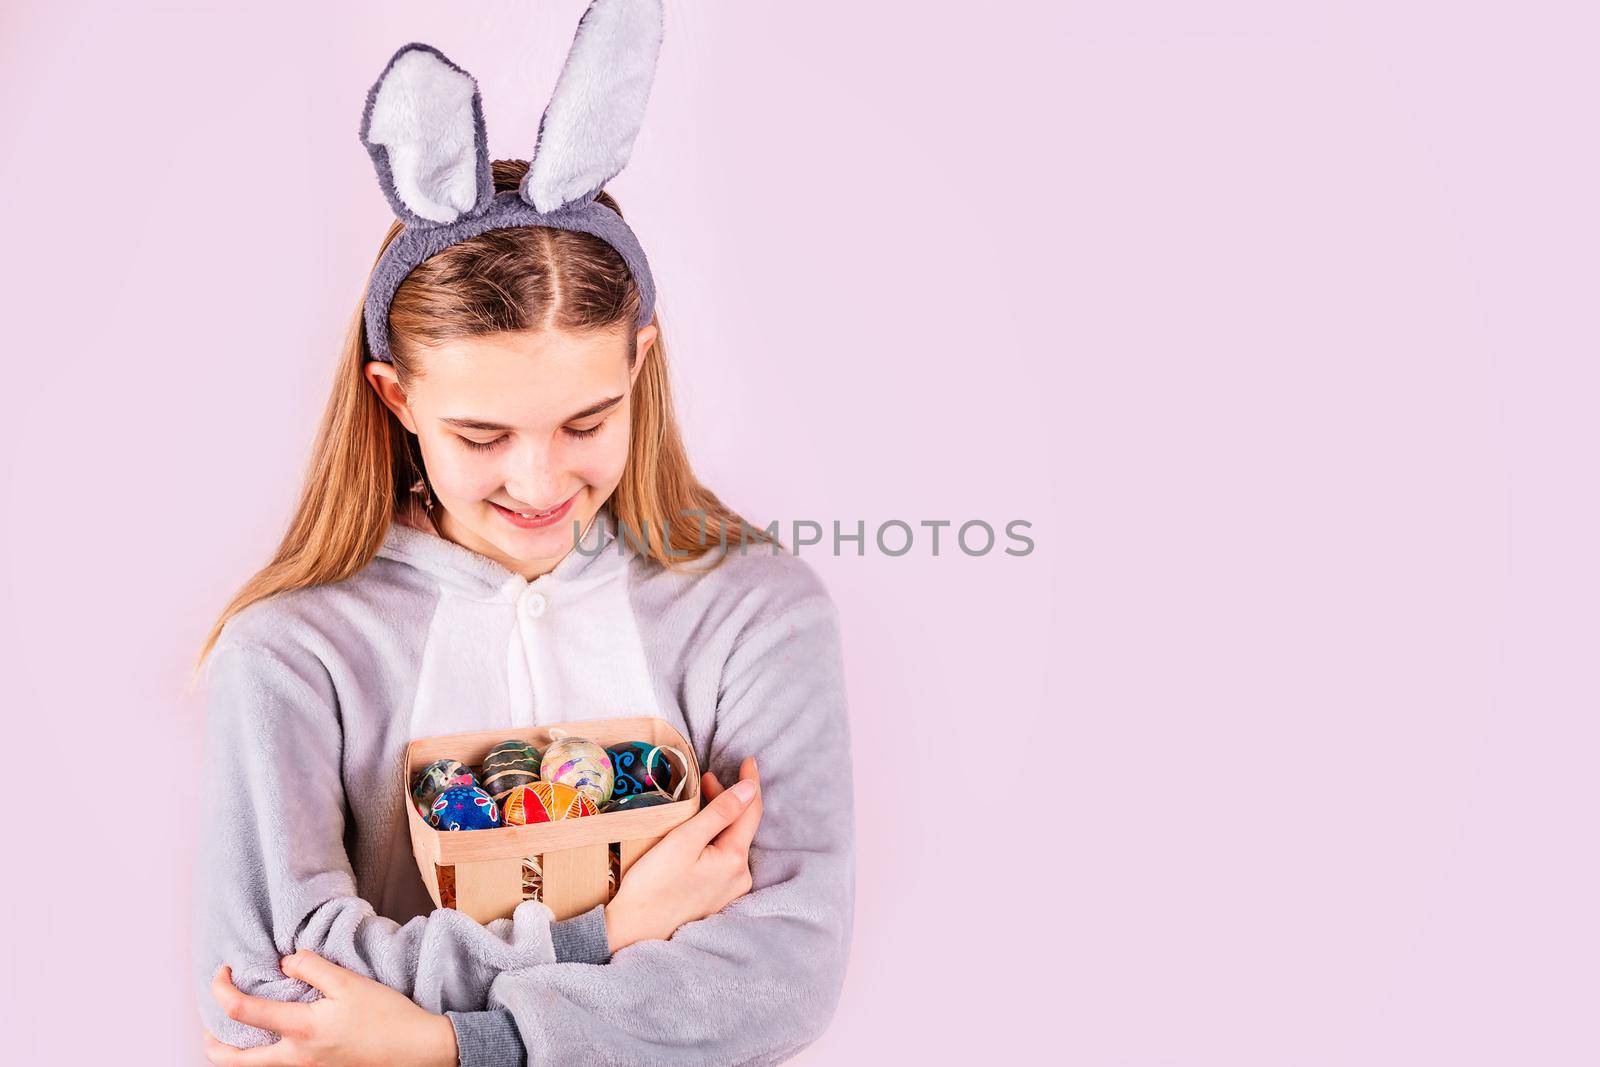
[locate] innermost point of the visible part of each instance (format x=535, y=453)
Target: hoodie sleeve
x=273, y=874
x=758, y=981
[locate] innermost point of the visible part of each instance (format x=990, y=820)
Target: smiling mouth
x=524, y=514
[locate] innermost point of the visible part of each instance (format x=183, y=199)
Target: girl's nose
x=533, y=479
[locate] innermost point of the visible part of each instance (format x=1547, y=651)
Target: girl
x=500, y=528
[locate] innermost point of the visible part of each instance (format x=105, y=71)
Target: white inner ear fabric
x=598, y=105
x=423, y=118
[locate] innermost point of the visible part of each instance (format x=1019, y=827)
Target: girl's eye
x=485, y=446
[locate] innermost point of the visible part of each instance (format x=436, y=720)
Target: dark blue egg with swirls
x=628, y=760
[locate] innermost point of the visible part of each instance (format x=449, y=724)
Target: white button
x=534, y=605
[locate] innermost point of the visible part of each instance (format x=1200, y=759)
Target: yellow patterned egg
x=545, y=802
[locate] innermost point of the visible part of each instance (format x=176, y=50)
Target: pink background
x=1277, y=324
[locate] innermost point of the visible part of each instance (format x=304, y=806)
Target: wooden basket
x=480, y=872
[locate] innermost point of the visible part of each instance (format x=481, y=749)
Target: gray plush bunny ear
x=594, y=115
x=423, y=128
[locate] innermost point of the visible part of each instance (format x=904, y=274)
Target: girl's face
x=520, y=422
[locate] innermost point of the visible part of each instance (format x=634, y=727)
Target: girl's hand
x=357, y=1023
x=695, y=871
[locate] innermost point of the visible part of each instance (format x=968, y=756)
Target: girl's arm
x=273, y=874
x=490, y=1038
x=758, y=981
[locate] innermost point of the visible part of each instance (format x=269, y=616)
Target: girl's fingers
x=742, y=830
x=281, y=1017
x=224, y=1055
x=697, y=831
x=318, y=972
x=709, y=787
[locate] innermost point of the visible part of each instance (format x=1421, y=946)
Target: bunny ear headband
x=423, y=127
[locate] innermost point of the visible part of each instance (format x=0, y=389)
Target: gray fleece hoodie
x=312, y=695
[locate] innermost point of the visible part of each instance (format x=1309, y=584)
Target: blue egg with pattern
x=464, y=807
x=628, y=761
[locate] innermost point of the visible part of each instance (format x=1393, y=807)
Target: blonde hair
x=365, y=463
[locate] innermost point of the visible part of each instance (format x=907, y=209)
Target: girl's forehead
x=514, y=377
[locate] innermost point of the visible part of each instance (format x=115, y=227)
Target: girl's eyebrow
x=463, y=423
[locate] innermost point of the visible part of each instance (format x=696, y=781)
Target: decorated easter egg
x=512, y=749
x=549, y=802
x=464, y=807
x=628, y=761
x=434, y=779
x=522, y=806
x=580, y=763
x=508, y=765
x=635, y=801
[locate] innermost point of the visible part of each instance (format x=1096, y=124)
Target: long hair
x=365, y=463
